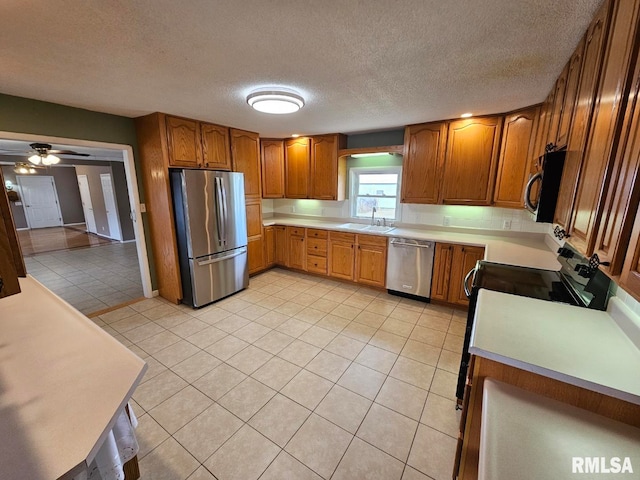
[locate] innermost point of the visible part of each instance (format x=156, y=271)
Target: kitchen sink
x=353, y=226
x=377, y=228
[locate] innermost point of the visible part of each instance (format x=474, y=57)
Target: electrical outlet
x=446, y=221
x=506, y=225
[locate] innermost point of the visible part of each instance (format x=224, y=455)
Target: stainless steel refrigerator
x=211, y=228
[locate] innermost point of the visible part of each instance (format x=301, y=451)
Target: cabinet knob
x=302, y=239
x=315, y=247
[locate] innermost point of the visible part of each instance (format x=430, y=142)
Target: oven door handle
x=465, y=284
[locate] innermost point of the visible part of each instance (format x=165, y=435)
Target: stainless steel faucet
x=373, y=216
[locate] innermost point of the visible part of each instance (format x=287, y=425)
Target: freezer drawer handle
x=402, y=244
x=220, y=259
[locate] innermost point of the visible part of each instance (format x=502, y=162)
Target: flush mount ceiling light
x=466, y=115
x=275, y=101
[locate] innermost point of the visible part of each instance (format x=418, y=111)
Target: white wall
x=487, y=218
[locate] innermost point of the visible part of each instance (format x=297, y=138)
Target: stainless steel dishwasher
x=409, y=267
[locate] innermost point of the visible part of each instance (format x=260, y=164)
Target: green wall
x=25, y=115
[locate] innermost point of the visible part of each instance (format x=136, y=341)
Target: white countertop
x=526, y=251
x=63, y=380
x=527, y=436
x=579, y=346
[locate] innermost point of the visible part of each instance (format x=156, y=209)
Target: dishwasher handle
x=465, y=284
x=396, y=243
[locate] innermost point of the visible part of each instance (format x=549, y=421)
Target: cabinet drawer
x=372, y=240
x=296, y=231
x=317, y=264
x=316, y=247
x=342, y=237
x=313, y=233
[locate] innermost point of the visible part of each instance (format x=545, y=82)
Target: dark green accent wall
x=376, y=139
x=25, y=115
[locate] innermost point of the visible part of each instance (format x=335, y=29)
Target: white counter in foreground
x=63, y=380
x=525, y=251
x=578, y=346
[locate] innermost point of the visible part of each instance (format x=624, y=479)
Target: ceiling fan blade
x=68, y=152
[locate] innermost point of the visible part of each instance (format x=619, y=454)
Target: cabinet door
x=570, y=94
x=441, y=271
x=605, y=128
x=471, y=161
x=272, y=168
x=621, y=203
x=341, y=255
x=216, y=151
x=589, y=75
x=544, y=122
x=515, y=154
x=325, y=167
x=464, y=260
x=422, y=164
x=297, y=251
x=296, y=161
x=371, y=260
x=183, y=136
x=245, y=156
x=255, y=254
x=254, y=217
x=281, y=246
x=558, y=104
x=269, y=246
x=630, y=278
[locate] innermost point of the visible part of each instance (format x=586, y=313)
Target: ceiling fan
x=45, y=154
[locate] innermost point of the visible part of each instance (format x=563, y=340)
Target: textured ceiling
x=362, y=65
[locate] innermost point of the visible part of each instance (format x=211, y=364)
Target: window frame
x=354, y=183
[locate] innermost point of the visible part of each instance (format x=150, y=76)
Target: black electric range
x=579, y=282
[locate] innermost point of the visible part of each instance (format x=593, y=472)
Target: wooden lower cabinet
x=255, y=254
x=297, y=249
x=269, y=246
x=342, y=255
x=317, y=249
x=371, y=260
x=451, y=264
x=281, y=248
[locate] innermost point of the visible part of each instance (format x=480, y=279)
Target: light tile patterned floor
x=296, y=377
x=90, y=279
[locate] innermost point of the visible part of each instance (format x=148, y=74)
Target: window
x=375, y=187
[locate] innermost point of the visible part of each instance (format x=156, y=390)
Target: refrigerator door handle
x=218, y=210
x=240, y=251
x=225, y=218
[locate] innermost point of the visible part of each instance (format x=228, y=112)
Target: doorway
x=42, y=208
x=118, y=257
x=87, y=206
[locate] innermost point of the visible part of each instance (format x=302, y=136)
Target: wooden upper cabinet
x=216, y=151
x=630, y=278
x=514, y=165
x=471, y=161
x=594, y=42
x=608, y=113
x=245, y=157
x=327, y=168
x=542, y=132
x=422, y=163
x=621, y=203
x=558, y=104
x=570, y=94
x=254, y=217
x=272, y=156
x=297, y=153
x=183, y=136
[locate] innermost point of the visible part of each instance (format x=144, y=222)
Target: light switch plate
x=143, y=208
x=446, y=221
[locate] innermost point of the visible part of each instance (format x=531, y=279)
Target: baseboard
x=155, y=293
x=72, y=224
x=23, y=228
x=127, y=241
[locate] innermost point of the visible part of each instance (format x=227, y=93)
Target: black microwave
x=543, y=206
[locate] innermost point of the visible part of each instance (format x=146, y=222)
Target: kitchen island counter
x=63, y=382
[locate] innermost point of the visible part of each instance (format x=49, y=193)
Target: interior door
x=87, y=206
x=110, y=205
x=40, y=201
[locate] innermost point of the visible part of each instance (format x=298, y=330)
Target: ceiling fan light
x=35, y=159
x=277, y=102
x=50, y=160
